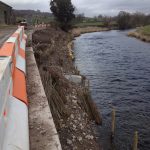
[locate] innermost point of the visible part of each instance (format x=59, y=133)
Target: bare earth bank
x=72, y=108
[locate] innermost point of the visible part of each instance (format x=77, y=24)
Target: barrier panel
x=41, y=26
x=14, y=132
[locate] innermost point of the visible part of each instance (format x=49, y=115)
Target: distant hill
x=32, y=16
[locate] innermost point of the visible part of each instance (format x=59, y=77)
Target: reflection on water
x=118, y=68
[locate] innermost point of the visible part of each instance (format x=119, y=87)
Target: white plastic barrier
x=14, y=133
x=5, y=88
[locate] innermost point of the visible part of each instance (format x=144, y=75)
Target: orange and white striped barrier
x=41, y=26
x=14, y=133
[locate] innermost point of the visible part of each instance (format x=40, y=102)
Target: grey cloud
x=42, y=5
x=88, y=7
x=111, y=7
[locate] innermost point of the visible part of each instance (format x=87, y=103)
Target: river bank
x=75, y=32
x=142, y=33
x=67, y=91
x=78, y=31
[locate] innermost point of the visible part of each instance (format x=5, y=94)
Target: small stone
x=89, y=137
x=31, y=127
x=69, y=142
x=74, y=97
x=72, y=116
x=74, y=107
x=63, y=125
x=73, y=137
x=43, y=132
x=75, y=121
x=81, y=125
x=74, y=101
x=75, y=148
x=74, y=126
x=79, y=138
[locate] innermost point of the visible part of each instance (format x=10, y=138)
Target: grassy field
x=142, y=33
x=94, y=24
x=145, y=30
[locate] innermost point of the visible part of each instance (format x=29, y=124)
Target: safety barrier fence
x=14, y=133
x=42, y=25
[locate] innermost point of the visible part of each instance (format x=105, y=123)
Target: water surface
x=118, y=68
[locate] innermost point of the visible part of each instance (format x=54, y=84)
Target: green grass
x=145, y=30
x=87, y=24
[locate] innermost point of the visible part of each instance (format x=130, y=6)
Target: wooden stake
x=135, y=141
x=88, y=84
x=113, y=123
x=76, y=67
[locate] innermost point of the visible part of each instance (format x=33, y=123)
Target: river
x=118, y=68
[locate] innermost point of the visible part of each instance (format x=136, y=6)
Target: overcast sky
x=88, y=7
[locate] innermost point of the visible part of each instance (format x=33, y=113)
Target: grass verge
x=142, y=33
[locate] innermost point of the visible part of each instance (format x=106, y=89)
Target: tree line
x=124, y=20
x=64, y=13
x=127, y=20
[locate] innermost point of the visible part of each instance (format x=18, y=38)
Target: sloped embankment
x=71, y=105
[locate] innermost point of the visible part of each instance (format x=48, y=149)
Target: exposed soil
x=72, y=108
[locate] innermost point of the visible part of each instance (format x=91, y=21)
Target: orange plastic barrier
x=13, y=95
x=19, y=86
x=15, y=48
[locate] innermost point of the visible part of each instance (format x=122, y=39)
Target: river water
x=118, y=68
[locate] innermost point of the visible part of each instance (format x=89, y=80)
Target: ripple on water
x=118, y=68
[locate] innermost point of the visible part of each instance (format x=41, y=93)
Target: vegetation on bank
x=142, y=33
x=145, y=30
x=71, y=104
x=78, y=30
x=88, y=24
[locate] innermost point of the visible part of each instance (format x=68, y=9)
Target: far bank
x=78, y=31
x=142, y=33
